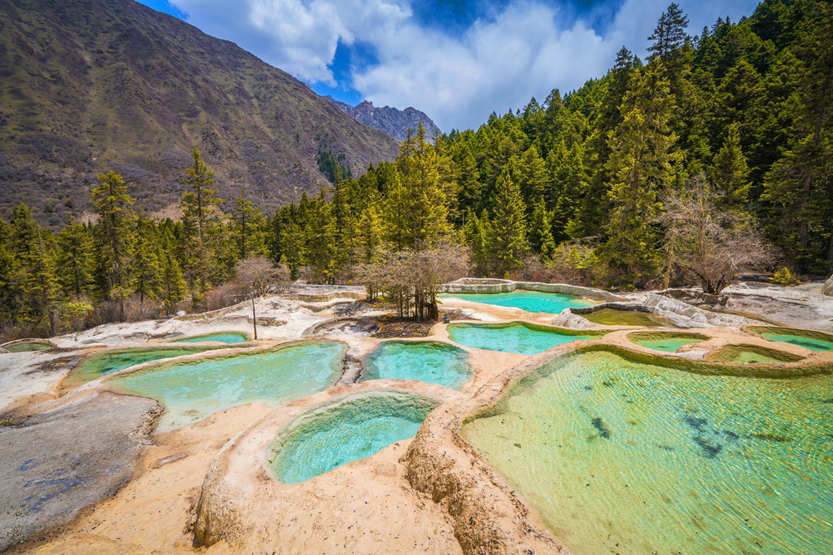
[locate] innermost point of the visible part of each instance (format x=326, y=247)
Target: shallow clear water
x=662, y=342
x=531, y=301
x=616, y=317
x=192, y=391
x=511, y=338
x=225, y=337
x=106, y=363
x=350, y=430
x=426, y=361
x=812, y=343
x=636, y=458
x=753, y=357
x=27, y=346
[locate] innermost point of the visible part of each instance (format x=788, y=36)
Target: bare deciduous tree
x=253, y=276
x=710, y=243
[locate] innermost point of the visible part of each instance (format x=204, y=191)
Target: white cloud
x=525, y=50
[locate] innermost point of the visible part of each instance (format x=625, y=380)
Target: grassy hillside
x=89, y=85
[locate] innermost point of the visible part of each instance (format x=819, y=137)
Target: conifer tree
x=540, y=231
x=247, y=229
x=476, y=235
x=171, y=283
x=730, y=172
x=640, y=164
x=75, y=259
x=200, y=217
x=145, y=267
x=114, y=236
x=507, y=233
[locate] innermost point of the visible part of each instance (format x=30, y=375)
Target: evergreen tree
x=540, y=231
x=145, y=267
x=75, y=267
x=171, y=283
x=247, y=229
x=730, y=172
x=640, y=164
x=114, y=237
x=670, y=33
x=200, y=218
x=507, y=232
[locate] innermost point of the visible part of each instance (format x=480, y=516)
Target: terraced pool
x=194, y=390
x=752, y=354
x=350, y=430
x=531, y=301
x=618, y=317
x=515, y=337
x=669, y=342
x=815, y=341
x=224, y=337
x=28, y=346
x=105, y=363
x=629, y=457
x=425, y=361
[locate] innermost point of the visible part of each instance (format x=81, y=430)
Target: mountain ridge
x=92, y=85
x=393, y=121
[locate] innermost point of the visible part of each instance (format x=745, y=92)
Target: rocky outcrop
x=392, y=121
x=827, y=288
x=54, y=464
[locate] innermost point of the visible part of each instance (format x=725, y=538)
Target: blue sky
x=457, y=60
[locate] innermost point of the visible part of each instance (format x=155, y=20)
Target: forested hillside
x=92, y=85
x=713, y=156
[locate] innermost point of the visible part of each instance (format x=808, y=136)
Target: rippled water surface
x=668, y=343
x=511, y=338
x=191, y=391
x=349, y=431
x=426, y=361
x=27, y=346
x=531, y=301
x=225, y=337
x=627, y=457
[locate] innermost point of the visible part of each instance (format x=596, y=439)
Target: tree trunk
x=254, y=317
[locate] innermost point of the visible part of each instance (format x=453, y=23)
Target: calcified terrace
x=216, y=456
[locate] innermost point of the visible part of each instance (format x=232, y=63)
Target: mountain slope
x=392, y=121
x=89, y=85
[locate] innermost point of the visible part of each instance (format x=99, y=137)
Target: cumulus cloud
x=525, y=49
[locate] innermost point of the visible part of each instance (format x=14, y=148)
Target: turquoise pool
x=105, y=363
x=425, y=361
x=814, y=342
x=516, y=337
x=531, y=301
x=194, y=390
x=623, y=456
x=350, y=430
x=225, y=337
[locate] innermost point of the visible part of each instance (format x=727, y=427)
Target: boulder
x=827, y=288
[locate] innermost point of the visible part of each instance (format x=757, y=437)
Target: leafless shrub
x=708, y=242
x=252, y=278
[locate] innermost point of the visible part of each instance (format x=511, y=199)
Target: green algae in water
x=531, y=301
x=806, y=341
x=668, y=342
x=425, y=361
x=225, y=337
x=28, y=346
x=191, y=391
x=616, y=317
x=752, y=354
x=106, y=363
x=517, y=337
x=347, y=431
x=637, y=458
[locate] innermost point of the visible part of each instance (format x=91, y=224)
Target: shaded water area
x=516, y=337
x=815, y=341
x=621, y=456
x=192, y=391
x=531, y=301
x=224, y=337
x=669, y=342
x=752, y=354
x=27, y=346
x=105, y=363
x=617, y=317
x=425, y=361
x=350, y=430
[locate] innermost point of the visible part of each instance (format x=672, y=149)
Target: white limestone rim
x=240, y=477
x=488, y=285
